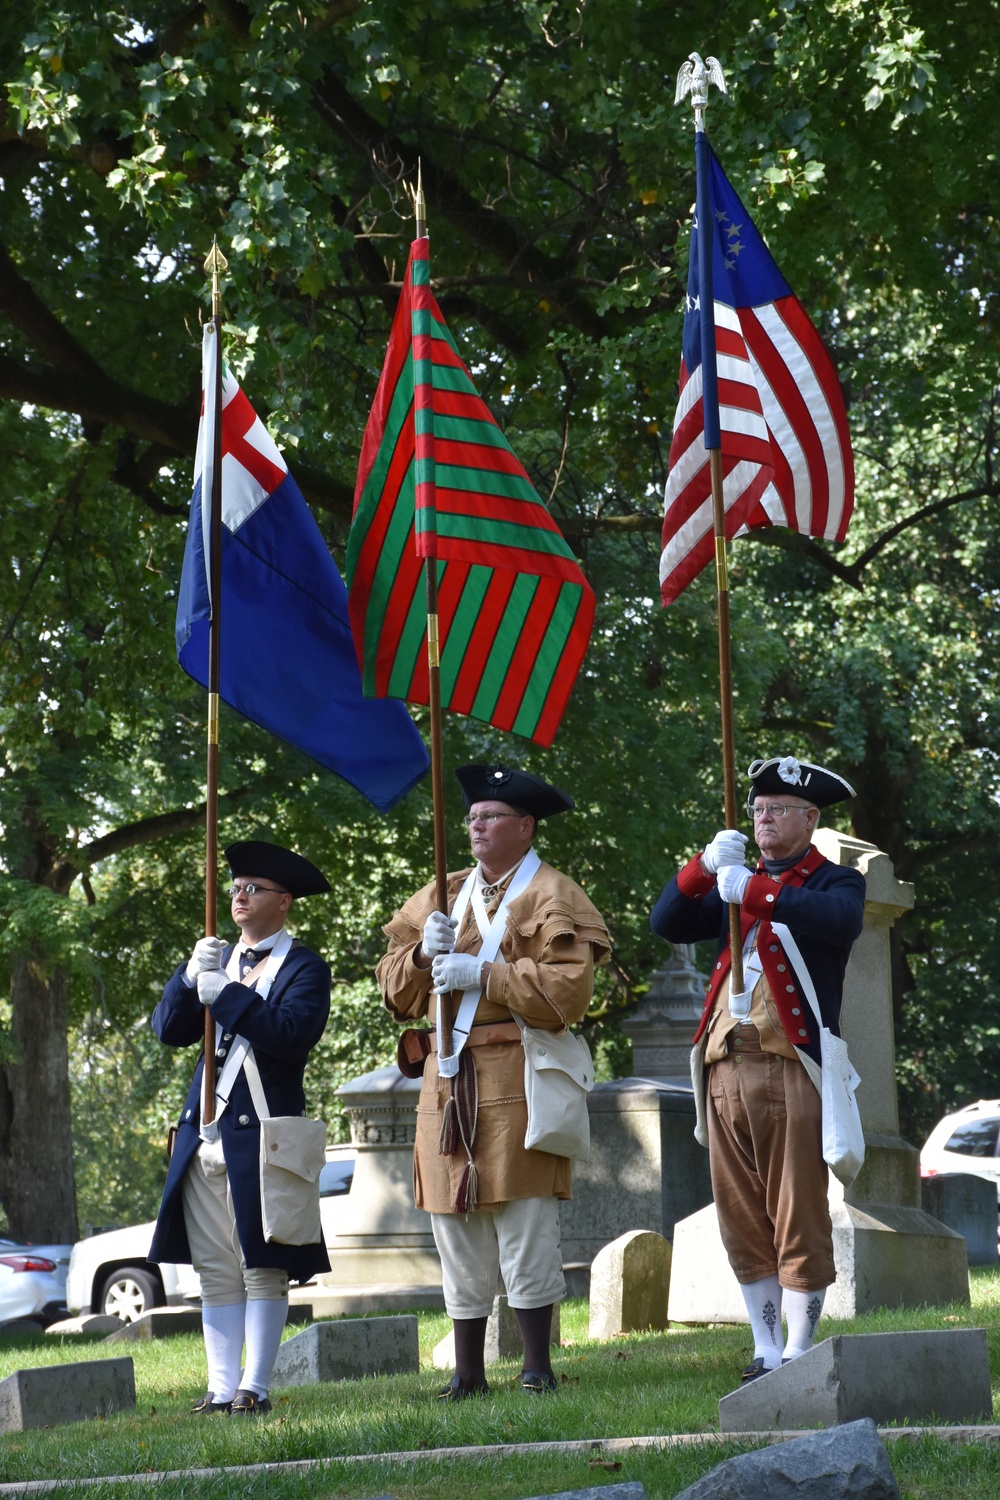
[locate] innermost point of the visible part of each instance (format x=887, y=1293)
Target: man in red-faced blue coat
x=801, y=914
x=271, y=992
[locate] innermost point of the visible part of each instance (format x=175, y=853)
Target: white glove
x=438, y=935
x=732, y=882
x=456, y=971
x=727, y=848
x=211, y=983
x=207, y=955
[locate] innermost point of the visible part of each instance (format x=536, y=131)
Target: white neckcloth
x=491, y=933
x=240, y=1047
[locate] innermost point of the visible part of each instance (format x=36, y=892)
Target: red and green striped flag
x=438, y=479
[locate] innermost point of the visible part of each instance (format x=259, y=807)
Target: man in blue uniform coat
x=800, y=916
x=271, y=992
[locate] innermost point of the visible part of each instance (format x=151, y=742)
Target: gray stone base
x=968, y=1205
x=66, y=1393
x=885, y=1256
x=348, y=1350
x=939, y=1377
x=161, y=1323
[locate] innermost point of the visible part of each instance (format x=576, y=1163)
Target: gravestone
x=66, y=1393
x=936, y=1377
x=967, y=1204
x=629, y=1285
x=348, y=1349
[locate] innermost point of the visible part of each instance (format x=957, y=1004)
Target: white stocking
x=763, y=1303
x=802, y=1309
x=222, y=1328
x=265, y=1324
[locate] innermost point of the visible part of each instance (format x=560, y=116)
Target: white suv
x=966, y=1141
x=110, y=1273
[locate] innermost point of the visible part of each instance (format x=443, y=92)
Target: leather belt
x=486, y=1032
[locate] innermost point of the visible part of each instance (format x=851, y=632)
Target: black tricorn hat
x=516, y=788
x=797, y=778
x=286, y=868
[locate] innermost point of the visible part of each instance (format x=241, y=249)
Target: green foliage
x=559, y=183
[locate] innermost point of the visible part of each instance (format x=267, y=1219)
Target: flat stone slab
x=349, y=1350
x=66, y=1393
x=632, y=1490
x=160, y=1323
x=503, y=1337
x=910, y=1378
x=86, y=1323
x=849, y=1463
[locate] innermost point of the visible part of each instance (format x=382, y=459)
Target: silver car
x=33, y=1281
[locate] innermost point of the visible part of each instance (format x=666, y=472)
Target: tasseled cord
x=458, y=1123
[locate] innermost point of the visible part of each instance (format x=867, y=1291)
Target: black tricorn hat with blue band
x=271, y=862
x=517, y=788
x=784, y=775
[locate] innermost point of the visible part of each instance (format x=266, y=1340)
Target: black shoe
x=207, y=1406
x=249, y=1404
x=754, y=1371
x=456, y=1391
x=536, y=1384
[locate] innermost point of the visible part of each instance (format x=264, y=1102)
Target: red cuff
x=761, y=897
x=692, y=881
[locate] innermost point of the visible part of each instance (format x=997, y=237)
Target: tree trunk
x=36, y=1143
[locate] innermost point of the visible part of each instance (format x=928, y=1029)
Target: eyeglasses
x=488, y=817
x=775, y=810
x=254, y=890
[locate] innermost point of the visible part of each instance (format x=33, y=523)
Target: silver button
x=803, y=1032
x=227, y=1036
x=781, y=968
x=774, y=948
x=245, y=1119
x=187, y=1114
x=789, y=989
x=220, y=1052
x=768, y=898
x=796, y=1011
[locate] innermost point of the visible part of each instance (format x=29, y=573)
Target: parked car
x=109, y=1272
x=33, y=1281
x=967, y=1140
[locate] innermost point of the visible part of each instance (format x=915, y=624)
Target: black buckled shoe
x=249, y=1404
x=754, y=1371
x=207, y=1406
x=456, y=1391
x=536, y=1384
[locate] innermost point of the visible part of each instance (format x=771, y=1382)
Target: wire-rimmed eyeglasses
x=252, y=889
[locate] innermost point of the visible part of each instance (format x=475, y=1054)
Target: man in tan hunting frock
x=518, y=938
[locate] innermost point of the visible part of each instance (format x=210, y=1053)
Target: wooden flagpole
x=694, y=79
x=215, y=265
x=434, y=707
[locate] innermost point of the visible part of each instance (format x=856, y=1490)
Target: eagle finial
x=694, y=78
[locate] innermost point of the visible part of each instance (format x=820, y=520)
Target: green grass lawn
x=638, y=1385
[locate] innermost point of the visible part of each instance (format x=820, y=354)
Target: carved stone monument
x=383, y=1237
x=888, y=1251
